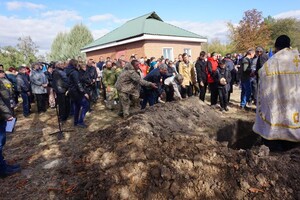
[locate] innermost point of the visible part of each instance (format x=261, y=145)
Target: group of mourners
x=74, y=86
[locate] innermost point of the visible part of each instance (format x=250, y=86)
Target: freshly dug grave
x=171, y=152
x=183, y=150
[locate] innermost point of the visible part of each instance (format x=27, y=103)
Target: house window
x=168, y=53
x=188, y=51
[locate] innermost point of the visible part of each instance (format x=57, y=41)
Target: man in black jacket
x=92, y=72
x=60, y=86
x=155, y=76
x=262, y=57
x=76, y=91
x=201, y=74
x=23, y=87
x=5, y=115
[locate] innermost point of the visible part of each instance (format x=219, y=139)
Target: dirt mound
x=170, y=152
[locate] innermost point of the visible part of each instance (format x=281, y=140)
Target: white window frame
x=188, y=51
x=171, y=53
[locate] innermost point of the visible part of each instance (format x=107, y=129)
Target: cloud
x=99, y=33
x=288, y=14
x=17, y=5
x=42, y=29
x=107, y=17
x=211, y=30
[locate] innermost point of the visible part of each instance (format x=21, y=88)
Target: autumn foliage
x=250, y=32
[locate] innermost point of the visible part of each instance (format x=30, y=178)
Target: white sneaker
x=160, y=101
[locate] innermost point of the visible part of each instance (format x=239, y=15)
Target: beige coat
x=188, y=72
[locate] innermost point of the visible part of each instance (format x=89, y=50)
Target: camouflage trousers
x=127, y=100
x=111, y=96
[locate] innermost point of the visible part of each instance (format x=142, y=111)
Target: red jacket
x=212, y=66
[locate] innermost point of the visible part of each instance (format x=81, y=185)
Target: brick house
x=147, y=36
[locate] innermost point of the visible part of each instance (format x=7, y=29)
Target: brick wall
x=155, y=48
x=147, y=48
x=115, y=52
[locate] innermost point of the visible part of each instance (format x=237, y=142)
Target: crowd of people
x=74, y=86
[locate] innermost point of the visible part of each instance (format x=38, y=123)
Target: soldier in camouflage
x=109, y=80
x=128, y=86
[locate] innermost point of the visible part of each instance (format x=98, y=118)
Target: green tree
x=286, y=26
x=215, y=45
x=28, y=49
x=11, y=56
x=68, y=45
x=58, y=47
x=78, y=37
x=250, y=32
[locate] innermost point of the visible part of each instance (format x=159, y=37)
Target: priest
x=278, y=105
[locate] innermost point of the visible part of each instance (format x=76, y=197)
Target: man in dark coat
x=201, y=74
x=23, y=87
x=60, y=86
x=76, y=92
x=232, y=70
x=262, y=57
x=155, y=76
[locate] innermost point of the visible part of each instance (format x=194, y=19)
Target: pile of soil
x=182, y=150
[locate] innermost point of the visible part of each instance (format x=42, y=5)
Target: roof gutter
x=145, y=37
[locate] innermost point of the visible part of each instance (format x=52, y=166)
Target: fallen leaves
x=255, y=190
x=21, y=183
x=65, y=187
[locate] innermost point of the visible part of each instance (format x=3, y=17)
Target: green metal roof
x=150, y=24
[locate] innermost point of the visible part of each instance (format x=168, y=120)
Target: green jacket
x=109, y=77
x=5, y=110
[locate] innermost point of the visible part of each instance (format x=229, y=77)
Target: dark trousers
x=41, y=102
x=187, y=91
x=25, y=104
x=202, y=91
x=63, y=103
x=16, y=97
x=213, y=93
x=2, y=143
x=223, y=95
x=81, y=107
x=169, y=93
x=150, y=96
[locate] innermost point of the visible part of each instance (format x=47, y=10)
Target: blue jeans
x=82, y=105
x=2, y=143
x=25, y=103
x=150, y=96
x=246, y=92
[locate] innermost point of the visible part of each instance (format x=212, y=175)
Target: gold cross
x=296, y=61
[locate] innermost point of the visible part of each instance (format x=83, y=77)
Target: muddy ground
x=183, y=150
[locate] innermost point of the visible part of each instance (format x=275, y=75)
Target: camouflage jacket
x=5, y=110
x=109, y=77
x=130, y=82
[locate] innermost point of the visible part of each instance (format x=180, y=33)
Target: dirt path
x=171, y=151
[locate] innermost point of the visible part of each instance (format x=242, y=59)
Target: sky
x=42, y=20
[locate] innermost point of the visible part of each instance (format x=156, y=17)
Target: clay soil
x=182, y=150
